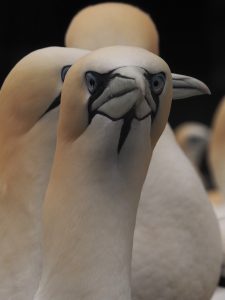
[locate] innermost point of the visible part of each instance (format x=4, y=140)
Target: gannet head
x=108, y=24
x=193, y=137
x=119, y=83
x=30, y=95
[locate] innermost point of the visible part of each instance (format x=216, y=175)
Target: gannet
x=194, y=139
x=112, y=114
x=29, y=97
x=217, y=165
x=117, y=23
x=182, y=259
x=217, y=147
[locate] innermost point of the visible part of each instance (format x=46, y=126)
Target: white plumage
x=217, y=164
x=177, y=250
x=30, y=166
x=177, y=194
x=28, y=138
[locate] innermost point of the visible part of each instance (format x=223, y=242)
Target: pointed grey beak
x=185, y=86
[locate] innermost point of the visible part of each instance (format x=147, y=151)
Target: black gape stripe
x=127, y=120
x=156, y=99
x=57, y=100
x=53, y=105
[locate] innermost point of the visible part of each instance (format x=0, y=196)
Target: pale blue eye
x=157, y=83
x=91, y=81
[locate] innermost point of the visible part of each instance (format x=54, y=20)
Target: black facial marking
x=56, y=102
x=64, y=71
x=100, y=83
x=53, y=105
x=128, y=118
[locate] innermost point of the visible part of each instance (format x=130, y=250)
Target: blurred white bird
x=217, y=165
x=217, y=147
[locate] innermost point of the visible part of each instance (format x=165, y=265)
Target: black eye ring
x=91, y=81
x=64, y=71
x=157, y=83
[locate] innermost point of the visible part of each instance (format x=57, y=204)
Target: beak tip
x=185, y=87
x=204, y=88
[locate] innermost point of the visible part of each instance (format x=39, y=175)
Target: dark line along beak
x=185, y=86
x=53, y=105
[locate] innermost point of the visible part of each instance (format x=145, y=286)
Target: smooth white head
x=108, y=24
x=193, y=138
x=30, y=99
x=105, y=85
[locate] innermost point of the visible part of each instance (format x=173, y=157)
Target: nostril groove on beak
x=124, y=92
x=123, y=76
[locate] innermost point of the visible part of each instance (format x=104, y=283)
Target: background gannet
x=112, y=113
x=217, y=147
x=193, y=137
x=183, y=195
x=108, y=24
x=217, y=165
x=29, y=111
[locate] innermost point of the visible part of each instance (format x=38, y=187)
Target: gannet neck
x=28, y=140
x=23, y=102
x=89, y=233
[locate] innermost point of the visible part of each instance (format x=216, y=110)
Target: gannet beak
x=185, y=86
x=124, y=92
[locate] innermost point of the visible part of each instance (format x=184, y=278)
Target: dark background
x=191, y=32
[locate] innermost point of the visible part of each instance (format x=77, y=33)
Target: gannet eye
x=157, y=83
x=64, y=71
x=92, y=81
